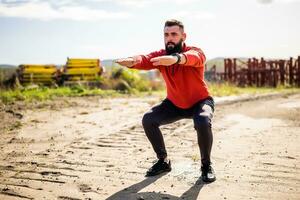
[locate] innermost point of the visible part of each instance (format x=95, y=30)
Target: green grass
x=44, y=93
x=219, y=90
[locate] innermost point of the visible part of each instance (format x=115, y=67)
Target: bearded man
x=182, y=68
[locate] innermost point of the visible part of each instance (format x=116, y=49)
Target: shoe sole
x=159, y=172
x=209, y=181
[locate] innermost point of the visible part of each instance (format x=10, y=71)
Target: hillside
x=6, y=72
x=7, y=66
x=219, y=62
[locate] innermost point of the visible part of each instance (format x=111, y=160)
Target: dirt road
x=96, y=149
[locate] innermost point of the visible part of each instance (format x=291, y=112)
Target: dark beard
x=177, y=48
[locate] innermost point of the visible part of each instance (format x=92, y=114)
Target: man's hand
x=128, y=62
x=164, y=60
x=168, y=60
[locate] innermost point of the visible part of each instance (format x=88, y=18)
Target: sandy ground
x=96, y=149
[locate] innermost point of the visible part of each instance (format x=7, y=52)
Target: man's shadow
x=131, y=193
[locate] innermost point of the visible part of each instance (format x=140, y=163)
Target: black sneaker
x=159, y=167
x=208, y=174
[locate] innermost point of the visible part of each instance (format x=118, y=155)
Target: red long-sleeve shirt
x=185, y=83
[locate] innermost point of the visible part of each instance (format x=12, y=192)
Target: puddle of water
x=185, y=169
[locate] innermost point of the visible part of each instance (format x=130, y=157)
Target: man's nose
x=169, y=39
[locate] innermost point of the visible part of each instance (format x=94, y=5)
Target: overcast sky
x=41, y=31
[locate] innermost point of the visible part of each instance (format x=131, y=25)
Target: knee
x=148, y=120
x=202, y=122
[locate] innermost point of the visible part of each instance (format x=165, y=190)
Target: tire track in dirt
x=98, y=150
x=73, y=159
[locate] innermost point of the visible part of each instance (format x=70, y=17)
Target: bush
x=125, y=80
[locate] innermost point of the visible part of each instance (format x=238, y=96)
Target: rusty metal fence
x=258, y=72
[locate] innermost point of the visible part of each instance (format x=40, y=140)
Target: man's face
x=174, y=38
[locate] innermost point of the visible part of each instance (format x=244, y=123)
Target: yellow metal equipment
x=40, y=74
x=77, y=69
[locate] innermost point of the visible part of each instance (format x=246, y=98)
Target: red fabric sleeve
x=194, y=57
x=145, y=63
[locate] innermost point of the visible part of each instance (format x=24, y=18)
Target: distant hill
x=219, y=62
x=6, y=72
x=7, y=66
x=108, y=64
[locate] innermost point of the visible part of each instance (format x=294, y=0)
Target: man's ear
x=183, y=36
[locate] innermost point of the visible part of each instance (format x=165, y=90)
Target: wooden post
x=230, y=70
x=291, y=71
x=281, y=71
x=234, y=71
x=255, y=72
x=225, y=69
x=263, y=73
x=249, y=72
x=298, y=71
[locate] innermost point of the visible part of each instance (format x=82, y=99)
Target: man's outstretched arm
x=141, y=61
x=151, y=62
x=128, y=62
x=193, y=57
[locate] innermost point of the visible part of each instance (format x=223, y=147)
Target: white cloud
x=182, y=2
x=265, y=1
x=44, y=11
x=287, y=1
x=277, y=1
x=198, y=15
x=127, y=3
x=75, y=10
x=144, y=3
x=135, y=3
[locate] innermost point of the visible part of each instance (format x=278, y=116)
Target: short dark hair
x=174, y=22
